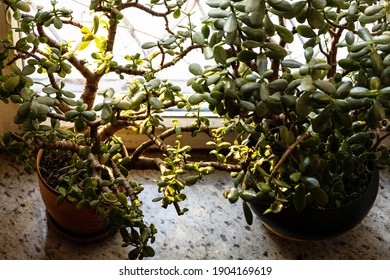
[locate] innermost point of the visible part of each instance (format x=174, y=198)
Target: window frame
x=131, y=139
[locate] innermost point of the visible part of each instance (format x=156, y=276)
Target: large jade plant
x=305, y=86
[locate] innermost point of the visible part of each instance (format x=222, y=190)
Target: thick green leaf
x=319, y=4
x=191, y=180
x=364, y=34
x=349, y=64
x=378, y=110
x=152, y=84
x=247, y=213
x=364, y=19
x=376, y=62
x=286, y=136
x=384, y=93
x=156, y=103
x=373, y=9
x=169, y=41
x=311, y=142
x=57, y=23
x=285, y=34
x=256, y=17
x=315, y=18
x=278, y=85
x=321, y=97
x=233, y=195
x=310, y=182
x=343, y=89
x=308, y=53
x=213, y=3
x=349, y=37
x=238, y=180
x=353, y=8
x=303, y=105
x=269, y=26
x=295, y=177
x=276, y=207
x=341, y=105
x=28, y=70
x=325, y=86
x=252, y=5
x=248, y=106
x=360, y=92
x=291, y=63
x=323, y=120
x=300, y=198
x=262, y=64
x=224, y=4
x=276, y=51
x=198, y=38
x=89, y=115
x=251, y=44
x=319, y=196
x=307, y=83
x=209, y=99
x=382, y=39
x=11, y=83
x=261, y=109
x=280, y=5
x=246, y=55
x=306, y=31
x=197, y=87
x=133, y=254
x=358, y=46
x=149, y=45
x=46, y=100
x=218, y=13
x=322, y=66
x=23, y=6
x=196, y=98
x=230, y=24
x=220, y=55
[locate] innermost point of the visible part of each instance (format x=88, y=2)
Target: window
x=131, y=34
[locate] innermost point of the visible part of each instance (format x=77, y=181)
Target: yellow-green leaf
x=11, y=83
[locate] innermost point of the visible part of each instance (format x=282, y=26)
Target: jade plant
x=301, y=88
x=80, y=131
x=305, y=87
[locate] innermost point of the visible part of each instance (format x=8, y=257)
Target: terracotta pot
x=316, y=224
x=80, y=225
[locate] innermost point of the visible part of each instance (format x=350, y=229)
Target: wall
x=7, y=111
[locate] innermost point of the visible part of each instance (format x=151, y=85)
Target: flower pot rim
x=316, y=223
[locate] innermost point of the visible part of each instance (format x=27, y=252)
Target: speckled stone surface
x=212, y=229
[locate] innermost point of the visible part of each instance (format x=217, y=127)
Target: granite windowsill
x=212, y=229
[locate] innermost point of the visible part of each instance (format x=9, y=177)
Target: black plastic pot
x=316, y=224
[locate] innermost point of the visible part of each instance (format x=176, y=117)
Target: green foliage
x=96, y=173
x=306, y=125
x=303, y=88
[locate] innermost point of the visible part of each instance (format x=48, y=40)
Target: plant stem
x=379, y=140
x=287, y=153
x=125, y=183
x=332, y=58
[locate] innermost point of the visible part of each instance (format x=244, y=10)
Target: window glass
x=135, y=29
